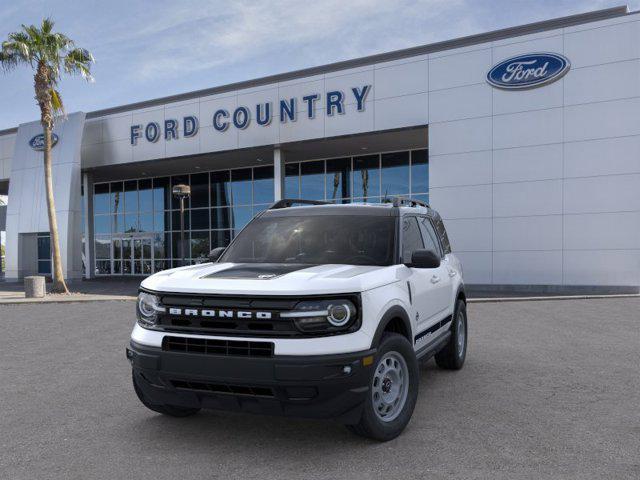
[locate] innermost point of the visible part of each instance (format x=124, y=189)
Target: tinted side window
x=429, y=235
x=442, y=233
x=411, y=238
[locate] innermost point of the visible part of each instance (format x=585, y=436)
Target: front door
x=132, y=255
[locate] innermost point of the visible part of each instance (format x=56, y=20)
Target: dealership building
x=526, y=140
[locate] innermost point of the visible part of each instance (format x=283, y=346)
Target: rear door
x=423, y=281
x=444, y=285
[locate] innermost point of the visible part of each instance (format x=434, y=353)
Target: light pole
x=181, y=192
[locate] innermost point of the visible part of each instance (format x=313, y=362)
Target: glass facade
x=365, y=178
x=137, y=222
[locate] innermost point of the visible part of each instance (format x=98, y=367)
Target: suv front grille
x=208, y=346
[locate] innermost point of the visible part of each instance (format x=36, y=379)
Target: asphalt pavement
x=551, y=389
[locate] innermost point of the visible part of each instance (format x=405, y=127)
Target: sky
x=149, y=49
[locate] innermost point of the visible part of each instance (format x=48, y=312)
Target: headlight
x=323, y=316
x=148, y=307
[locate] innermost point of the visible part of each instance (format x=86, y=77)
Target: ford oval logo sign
x=37, y=142
x=528, y=71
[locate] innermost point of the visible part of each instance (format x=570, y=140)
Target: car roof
x=373, y=209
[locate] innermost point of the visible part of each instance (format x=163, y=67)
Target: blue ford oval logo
x=528, y=71
x=37, y=142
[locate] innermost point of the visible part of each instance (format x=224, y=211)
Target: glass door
x=142, y=256
x=132, y=255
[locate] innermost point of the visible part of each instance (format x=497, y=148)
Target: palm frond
x=78, y=62
x=56, y=101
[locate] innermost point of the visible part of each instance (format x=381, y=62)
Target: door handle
x=435, y=279
x=452, y=273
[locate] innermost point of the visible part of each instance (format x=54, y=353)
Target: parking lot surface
x=551, y=389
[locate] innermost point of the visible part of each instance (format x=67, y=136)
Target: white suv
x=316, y=310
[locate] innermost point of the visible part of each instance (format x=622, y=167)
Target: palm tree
x=48, y=54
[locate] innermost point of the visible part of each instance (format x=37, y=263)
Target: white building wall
x=7, y=143
x=542, y=186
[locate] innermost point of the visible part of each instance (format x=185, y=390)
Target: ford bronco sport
x=314, y=310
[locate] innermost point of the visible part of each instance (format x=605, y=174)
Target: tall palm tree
x=49, y=54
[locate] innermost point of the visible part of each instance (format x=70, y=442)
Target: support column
x=87, y=205
x=278, y=174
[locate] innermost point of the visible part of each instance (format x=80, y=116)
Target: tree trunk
x=42, y=85
x=59, y=285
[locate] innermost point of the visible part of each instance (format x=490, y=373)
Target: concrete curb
x=69, y=299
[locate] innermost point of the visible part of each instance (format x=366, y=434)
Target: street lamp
x=181, y=192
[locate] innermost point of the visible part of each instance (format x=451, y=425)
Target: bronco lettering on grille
x=243, y=314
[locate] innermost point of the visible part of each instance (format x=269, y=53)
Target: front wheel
x=393, y=390
x=452, y=356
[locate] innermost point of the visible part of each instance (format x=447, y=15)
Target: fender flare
x=461, y=293
x=395, y=311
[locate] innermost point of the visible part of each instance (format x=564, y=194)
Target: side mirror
x=424, y=259
x=214, y=254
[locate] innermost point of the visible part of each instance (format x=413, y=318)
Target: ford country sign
x=528, y=71
x=37, y=142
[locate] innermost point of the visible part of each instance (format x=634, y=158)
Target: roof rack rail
x=400, y=201
x=289, y=202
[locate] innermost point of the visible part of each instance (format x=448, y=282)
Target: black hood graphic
x=260, y=271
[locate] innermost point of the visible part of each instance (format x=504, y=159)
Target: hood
x=268, y=278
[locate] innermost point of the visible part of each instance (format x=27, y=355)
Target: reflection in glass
x=130, y=196
x=101, y=198
x=117, y=248
x=366, y=177
x=200, y=219
x=160, y=241
x=419, y=171
x=131, y=222
x=145, y=222
x=312, y=180
x=200, y=244
x=241, y=186
x=263, y=185
x=240, y=216
x=220, y=218
x=117, y=223
x=395, y=173
x=220, y=238
x=103, y=247
x=338, y=181
x=220, y=195
x=161, y=194
x=103, y=267
x=292, y=180
x=145, y=195
x=116, y=197
x=175, y=220
x=161, y=221
x=102, y=224
x=200, y=190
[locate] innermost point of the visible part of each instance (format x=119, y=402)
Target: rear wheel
x=171, y=410
x=393, y=390
x=452, y=356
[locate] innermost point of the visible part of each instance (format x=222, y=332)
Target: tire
x=452, y=356
x=395, y=354
x=170, y=410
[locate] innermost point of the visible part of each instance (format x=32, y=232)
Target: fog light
x=346, y=369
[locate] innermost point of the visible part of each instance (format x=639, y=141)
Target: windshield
x=322, y=239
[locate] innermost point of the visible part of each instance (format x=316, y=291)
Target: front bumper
x=320, y=386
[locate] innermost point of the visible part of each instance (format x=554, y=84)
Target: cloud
x=201, y=35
